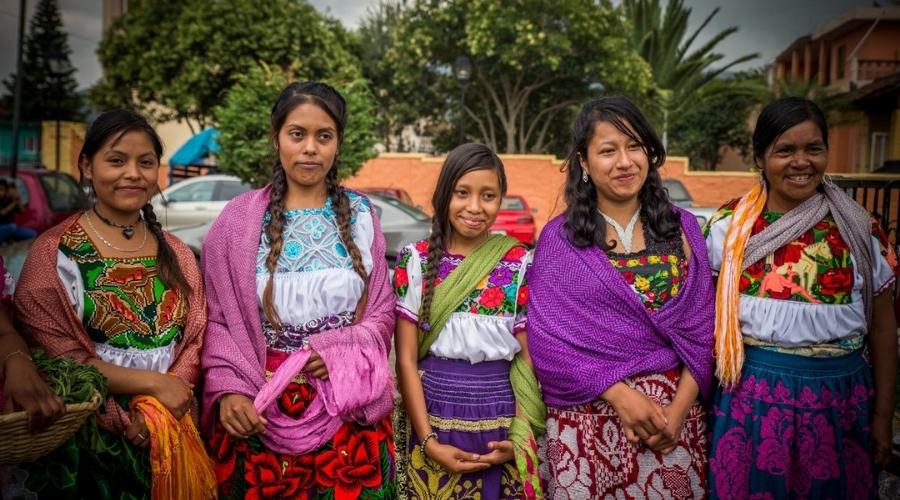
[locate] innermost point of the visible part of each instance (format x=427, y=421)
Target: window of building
x=841, y=61
x=878, y=150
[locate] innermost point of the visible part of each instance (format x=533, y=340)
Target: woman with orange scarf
x=805, y=281
x=107, y=287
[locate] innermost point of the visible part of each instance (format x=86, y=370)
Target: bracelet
x=432, y=435
x=10, y=355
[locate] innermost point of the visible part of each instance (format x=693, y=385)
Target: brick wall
x=538, y=178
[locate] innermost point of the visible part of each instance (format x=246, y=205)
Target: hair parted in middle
x=329, y=100
x=460, y=161
x=584, y=223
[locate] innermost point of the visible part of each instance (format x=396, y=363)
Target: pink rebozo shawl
x=359, y=386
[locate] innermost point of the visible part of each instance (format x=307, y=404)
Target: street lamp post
x=462, y=68
x=17, y=94
x=57, y=62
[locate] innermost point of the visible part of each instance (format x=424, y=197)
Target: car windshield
x=413, y=212
x=512, y=204
x=677, y=191
x=62, y=193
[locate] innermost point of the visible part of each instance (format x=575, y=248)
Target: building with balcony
x=856, y=54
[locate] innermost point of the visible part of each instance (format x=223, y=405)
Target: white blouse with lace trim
x=791, y=323
x=314, y=278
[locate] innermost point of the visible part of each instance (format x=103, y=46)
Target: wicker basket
x=21, y=445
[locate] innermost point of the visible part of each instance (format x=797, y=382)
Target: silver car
x=196, y=200
x=400, y=223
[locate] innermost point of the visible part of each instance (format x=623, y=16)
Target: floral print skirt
x=586, y=454
x=358, y=462
x=793, y=427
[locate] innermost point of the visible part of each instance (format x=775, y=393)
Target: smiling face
x=616, y=163
x=307, y=145
x=474, y=206
x=794, y=165
x=123, y=173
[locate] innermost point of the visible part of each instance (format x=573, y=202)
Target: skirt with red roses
x=358, y=462
x=588, y=456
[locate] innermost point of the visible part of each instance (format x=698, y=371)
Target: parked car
x=396, y=193
x=400, y=223
x=515, y=219
x=196, y=200
x=48, y=197
x=681, y=197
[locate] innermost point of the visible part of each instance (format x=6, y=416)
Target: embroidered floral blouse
x=483, y=327
x=806, y=297
x=315, y=287
x=133, y=319
x=656, y=273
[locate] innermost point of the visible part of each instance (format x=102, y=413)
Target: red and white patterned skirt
x=586, y=454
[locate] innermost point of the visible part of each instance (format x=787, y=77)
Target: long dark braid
x=274, y=228
x=340, y=202
x=166, y=260
x=432, y=268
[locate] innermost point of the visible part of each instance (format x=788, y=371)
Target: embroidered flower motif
x=352, y=464
x=642, y=283
x=295, y=399
x=836, y=280
x=515, y=253
x=291, y=249
x=422, y=246
x=501, y=276
x=730, y=464
x=492, y=298
x=522, y=296
x=271, y=476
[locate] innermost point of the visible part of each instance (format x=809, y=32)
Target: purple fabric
x=471, y=392
x=360, y=385
x=590, y=330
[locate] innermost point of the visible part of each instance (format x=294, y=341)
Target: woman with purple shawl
x=620, y=325
x=298, y=391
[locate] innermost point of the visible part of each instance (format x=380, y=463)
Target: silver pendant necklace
x=87, y=216
x=625, y=234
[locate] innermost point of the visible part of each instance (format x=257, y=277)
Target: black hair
x=329, y=100
x=109, y=127
x=463, y=159
x=781, y=115
x=584, y=224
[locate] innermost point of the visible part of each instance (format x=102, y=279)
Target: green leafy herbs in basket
x=74, y=382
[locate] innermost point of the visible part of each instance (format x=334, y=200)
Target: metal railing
x=880, y=197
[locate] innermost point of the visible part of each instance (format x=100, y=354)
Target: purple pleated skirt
x=468, y=407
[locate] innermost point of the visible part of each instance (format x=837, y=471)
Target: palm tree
x=679, y=71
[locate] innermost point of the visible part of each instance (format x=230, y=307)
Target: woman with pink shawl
x=298, y=392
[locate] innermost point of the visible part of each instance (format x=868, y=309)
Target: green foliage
x=680, y=71
x=46, y=95
x=836, y=106
x=178, y=58
x=243, y=121
x=718, y=117
x=533, y=63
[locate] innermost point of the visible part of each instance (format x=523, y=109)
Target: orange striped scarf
x=181, y=468
x=729, y=341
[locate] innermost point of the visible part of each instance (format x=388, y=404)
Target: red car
x=48, y=196
x=514, y=219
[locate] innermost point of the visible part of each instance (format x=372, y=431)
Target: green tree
x=720, y=117
x=48, y=92
x=533, y=63
x=178, y=58
x=243, y=121
x=374, y=39
x=680, y=71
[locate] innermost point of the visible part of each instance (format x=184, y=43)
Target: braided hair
x=110, y=127
x=330, y=101
x=462, y=160
x=584, y=224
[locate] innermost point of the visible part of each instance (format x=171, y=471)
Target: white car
x=196, y=200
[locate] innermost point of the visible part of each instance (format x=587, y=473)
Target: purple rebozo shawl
x=359, y=386
x=588, y=329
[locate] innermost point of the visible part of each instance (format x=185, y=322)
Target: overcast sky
x=765, y=26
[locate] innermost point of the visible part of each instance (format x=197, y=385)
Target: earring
x=584, y=176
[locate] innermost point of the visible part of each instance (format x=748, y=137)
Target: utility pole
x=17, y=99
